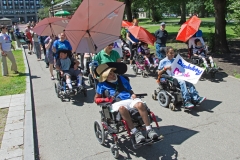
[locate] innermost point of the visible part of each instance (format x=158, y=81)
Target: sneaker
x=131, y=66
x=52, y=78
x=200, y=100
x=152, y=134
x=188, y=105
x=139, y=137
x=47, y=66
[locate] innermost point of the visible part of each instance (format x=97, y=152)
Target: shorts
x=71, y=72
x=50, y=57
x=128, y=103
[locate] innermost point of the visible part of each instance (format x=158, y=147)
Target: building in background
x=62, y=6
x=21, y=11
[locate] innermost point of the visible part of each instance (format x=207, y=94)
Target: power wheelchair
x=62, y=89
x=169, y=94
x=112, y=124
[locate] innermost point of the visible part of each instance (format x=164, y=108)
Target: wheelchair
x=169, y=94
x=62, y=90
x=199, y=62
x=112, y=124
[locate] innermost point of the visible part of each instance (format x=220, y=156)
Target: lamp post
x=52, y=3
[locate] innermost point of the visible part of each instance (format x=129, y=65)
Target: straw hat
x=103, y=71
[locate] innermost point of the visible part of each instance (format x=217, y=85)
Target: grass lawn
x=12, y=84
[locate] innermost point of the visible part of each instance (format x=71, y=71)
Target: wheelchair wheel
x=90, y=80
x=163, y=98
x=135, y=69
x=99, y=132
x=114, y=150
x=57, y=89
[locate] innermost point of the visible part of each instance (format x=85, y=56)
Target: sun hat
x=103, y=70
x=199, y=33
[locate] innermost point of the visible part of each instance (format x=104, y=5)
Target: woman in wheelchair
x=122, y=98
x=69, y=67
x=200, y=51
x=189, y=93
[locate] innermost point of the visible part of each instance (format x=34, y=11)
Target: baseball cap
x=162, y=24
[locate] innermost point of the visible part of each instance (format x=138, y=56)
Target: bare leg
x=143, y=112
x=51, y=69
x=126, y=116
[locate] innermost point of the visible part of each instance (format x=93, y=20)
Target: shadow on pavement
x=206, y=106
x=34, y=77
x=173, y=135
x=79, y=99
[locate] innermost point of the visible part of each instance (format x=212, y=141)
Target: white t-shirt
x=35, y=37
x=118, y=47
x=191, y=42
x=5, y=41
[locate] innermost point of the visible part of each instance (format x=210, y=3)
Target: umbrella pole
x=95, y=47
x=51, y=29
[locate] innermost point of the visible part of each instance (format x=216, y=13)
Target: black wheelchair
x=63, y=91
x=169, y=93
x=112, y=124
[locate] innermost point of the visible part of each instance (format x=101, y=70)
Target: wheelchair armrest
x=141, y=95
x=166, y=76
x=195, y=57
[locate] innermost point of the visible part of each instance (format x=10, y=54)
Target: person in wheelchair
x=122, y=98
x=145, y=52
x=200, y=51
x=189, y=92
x=69, y=67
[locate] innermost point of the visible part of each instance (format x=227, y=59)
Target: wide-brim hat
x=103, y=70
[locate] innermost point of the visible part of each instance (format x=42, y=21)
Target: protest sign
x=181, y=69
x=117, y=46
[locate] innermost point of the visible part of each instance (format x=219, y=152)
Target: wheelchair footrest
x=147, y=142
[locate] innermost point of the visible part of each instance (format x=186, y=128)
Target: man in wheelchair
x=68, y=67
x=189, y=93
x=122, y=98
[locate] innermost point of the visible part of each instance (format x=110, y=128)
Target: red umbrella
x=142, y=34
x=188, y=29
x=126, y=24
x=50, y=26
x=90, y=31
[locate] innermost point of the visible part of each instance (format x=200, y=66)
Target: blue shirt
x=65, y=45
x=165, y=62
x=132, y=37
x=123, y=95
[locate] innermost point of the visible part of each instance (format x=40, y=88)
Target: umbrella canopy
x=188, y=29
x=89, y=30
x=51, y=26
x=126, y=24
x=62, y=13
x=142, y=34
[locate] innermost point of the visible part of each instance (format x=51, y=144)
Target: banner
x=181, y=69
x=117, y=46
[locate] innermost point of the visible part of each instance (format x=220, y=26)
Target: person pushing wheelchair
x=122, y=97
x=190, y=94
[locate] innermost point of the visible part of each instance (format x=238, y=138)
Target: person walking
x=28, y=35
x=5, y=48
x=37, y=49
x=132, y=42
x=49, y=53
x=161, y=36
x=42, y=45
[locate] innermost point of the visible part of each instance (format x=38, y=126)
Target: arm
x=128, y=37
x=98, y=98
x=48, y=44
x=54, y=46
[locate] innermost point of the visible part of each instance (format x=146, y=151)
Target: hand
x=134, y=43
x=50, y=40
x=168, y=68
x=3, y=54
x=61, y=72
x=133, y=96
x=41, y=48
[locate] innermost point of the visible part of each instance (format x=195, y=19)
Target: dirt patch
x=3, y=118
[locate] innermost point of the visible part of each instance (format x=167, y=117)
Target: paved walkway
x=12, y=142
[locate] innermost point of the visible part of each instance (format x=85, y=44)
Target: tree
x=75, y=3
x=183, y=12
x=220, y=27
x=43, y=13
x=128, y=10
x=47, y=3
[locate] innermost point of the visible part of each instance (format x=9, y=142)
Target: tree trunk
x=128, y=10
x=220, y=27
x=202, y=11
x=153, y=9
x=183, y=12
